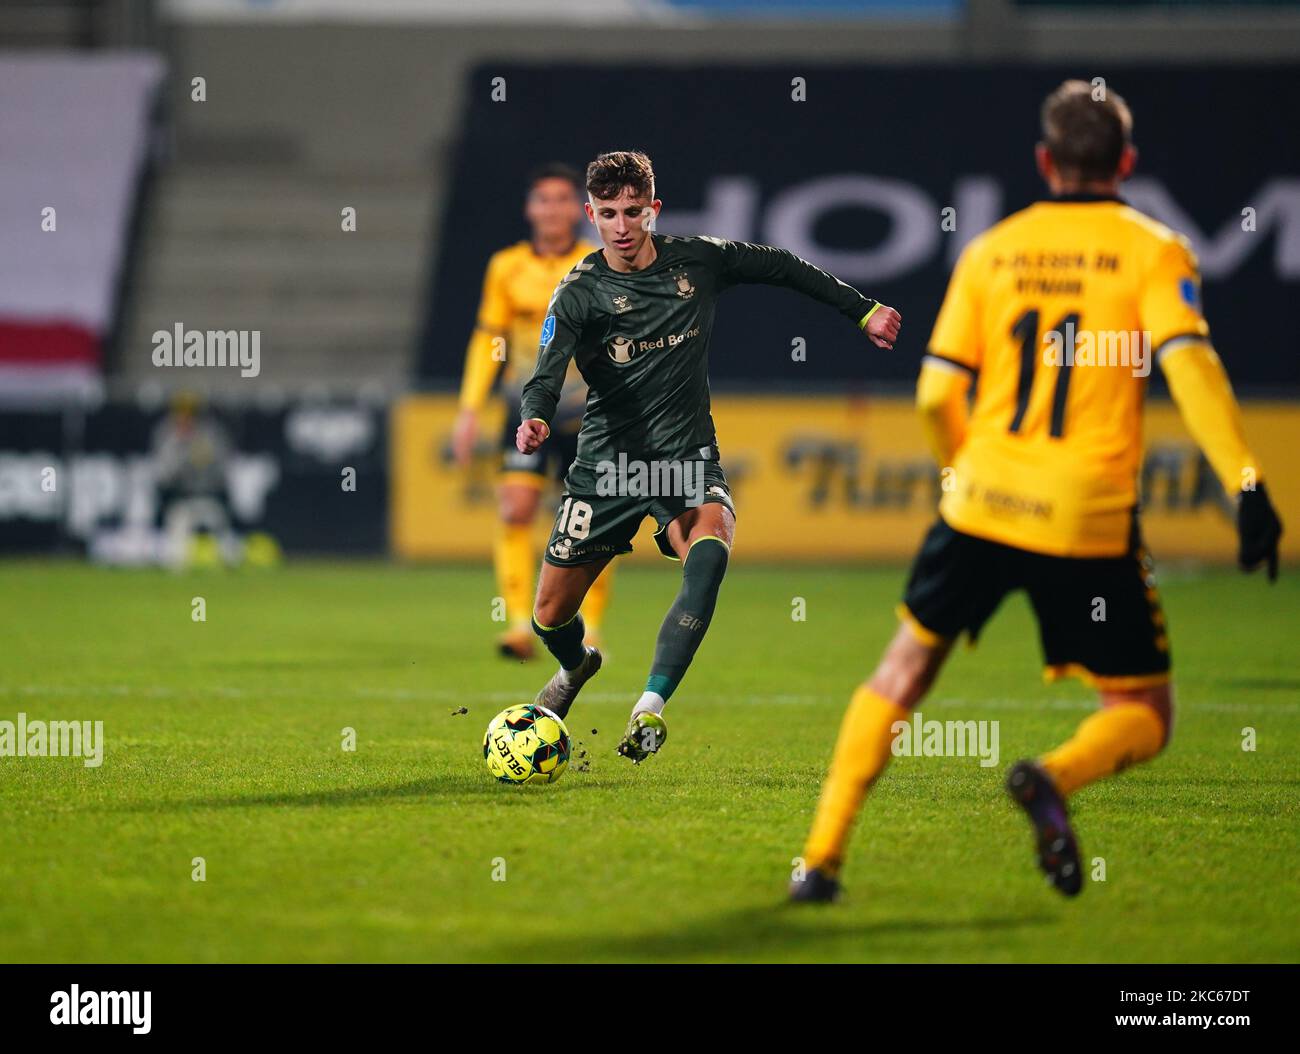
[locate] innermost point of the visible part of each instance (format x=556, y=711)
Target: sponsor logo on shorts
x=565, y=549
x=721, y=494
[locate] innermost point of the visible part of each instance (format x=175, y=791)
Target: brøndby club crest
x=621, y=349
x=685, y=289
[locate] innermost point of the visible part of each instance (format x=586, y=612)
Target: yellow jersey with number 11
x=1059, y=313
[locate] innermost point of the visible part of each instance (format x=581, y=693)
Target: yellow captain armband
x=867, y=317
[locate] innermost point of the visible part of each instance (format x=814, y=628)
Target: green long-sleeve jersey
x=641, y=342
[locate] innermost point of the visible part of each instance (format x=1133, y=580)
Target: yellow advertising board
x=826, y=478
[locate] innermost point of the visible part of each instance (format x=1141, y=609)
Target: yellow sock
x=514, y=559
x=861, y=753
x=596, y=600
x=1106, y=742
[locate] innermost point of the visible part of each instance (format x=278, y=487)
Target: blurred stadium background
x=199, y=156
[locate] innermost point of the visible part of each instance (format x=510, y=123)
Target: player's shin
x=687, y=621
x=861, y=753
x=515, y=570
x=1115, y=737
x=564, y=641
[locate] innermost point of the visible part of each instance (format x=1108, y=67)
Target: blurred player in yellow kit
x=1054, y=317
x=519, y=284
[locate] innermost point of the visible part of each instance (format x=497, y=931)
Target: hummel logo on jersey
x=621, y=305
x=685, y=289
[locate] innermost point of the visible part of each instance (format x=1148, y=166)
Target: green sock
x=688, y=618
x=564, y=641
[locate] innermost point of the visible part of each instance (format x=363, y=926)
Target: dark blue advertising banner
x=132, y=486
x=881, y=176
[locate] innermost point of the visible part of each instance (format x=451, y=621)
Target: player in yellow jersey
x=1053, y=317
x=519, y=284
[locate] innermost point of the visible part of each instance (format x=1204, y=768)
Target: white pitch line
x=453, y=695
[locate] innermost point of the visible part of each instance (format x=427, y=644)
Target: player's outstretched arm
x=541, y=395
x=1200, y=388
x=746, y=263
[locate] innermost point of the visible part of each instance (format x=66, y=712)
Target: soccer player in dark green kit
x=637, y=315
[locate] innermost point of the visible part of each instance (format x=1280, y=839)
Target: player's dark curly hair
x=612, y=171
x=1085, y=128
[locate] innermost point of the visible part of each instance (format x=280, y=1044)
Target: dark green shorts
x=600, y=513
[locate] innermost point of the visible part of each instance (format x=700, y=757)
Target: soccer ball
x=526, y=744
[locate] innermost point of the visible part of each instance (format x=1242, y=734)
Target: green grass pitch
x=224, y=741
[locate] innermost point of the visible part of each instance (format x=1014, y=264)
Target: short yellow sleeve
x=1170, y=300
x=957, y=336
